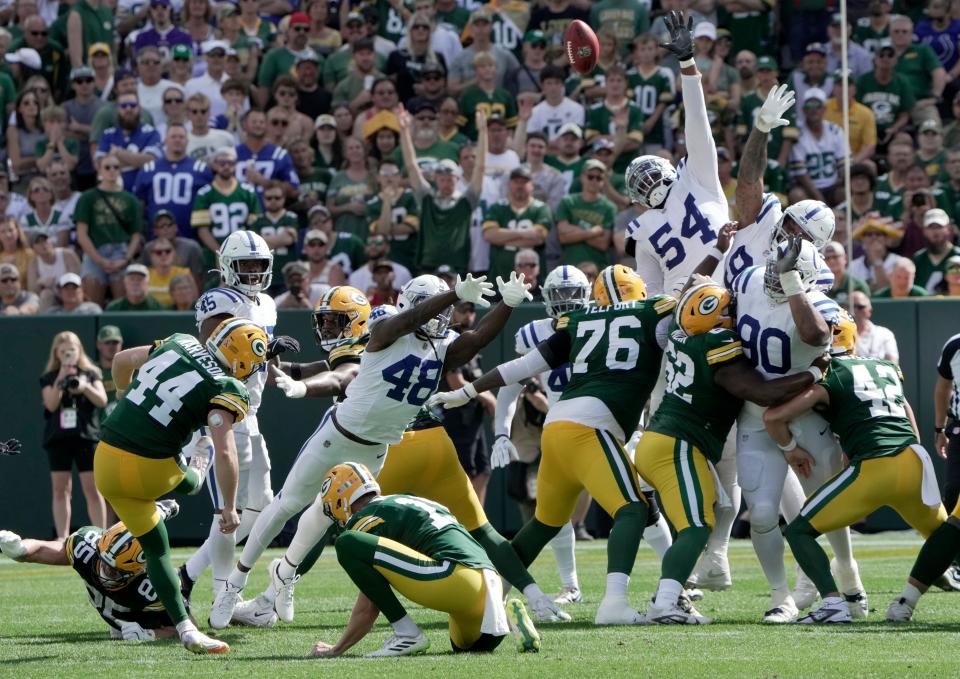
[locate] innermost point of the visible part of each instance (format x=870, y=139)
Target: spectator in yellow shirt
x=162, y=270
x=863, y=124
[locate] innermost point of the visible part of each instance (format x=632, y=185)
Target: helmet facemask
x=562, y=299
x=649, y=180
x=436, y=327
x=328, y=326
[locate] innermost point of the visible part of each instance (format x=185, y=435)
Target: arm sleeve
x=648, y=268
x=528, y=365
x=506, y=405
x=701, y=149
x=946, y=355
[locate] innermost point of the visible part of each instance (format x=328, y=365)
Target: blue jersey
x=162, y=41
x=271, y=161
x=944, y=43
x=162, y=184
x=144, y=139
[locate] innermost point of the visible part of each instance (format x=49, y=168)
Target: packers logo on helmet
x=121, y=558
x=703, y=308
x=239, y=346
x=844, y=335
x=341, y=313
x=344, y=485
x=617, y=284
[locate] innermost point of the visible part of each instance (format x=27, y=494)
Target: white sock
x=186, y=626
x=658, y=536
x=267, y=526
x=405, y=627
x=667, y=593
x=533, y=591
x=911, y=594
x=843, y=556
x=769, y=549
x=237, y=578
x=222, y=549
x=247, y=519
x=617, y=585
x=725, y=517
x=311, y=527
x=198, y=562
x=564, y=546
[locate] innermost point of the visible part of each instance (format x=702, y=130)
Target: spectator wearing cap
x=585, y=220
x=279, y=228
x=329, y=148
x=819, y=153
x=49, y=263
x=950, y=286
x=566, y=158
x=418, y=49
x=132, y=142
x=88, y=22
x=870, y=30
x=930, y=152
x=873, y=341
x=920, y=67
x=548, y=184
x=281, y=59
x=446, y=274
x=384, y=289
x=67, y=298
x=298, y=290
x=354, y=90
x=526, y=262
x=312, y=100
x=136, y=289
x=15, y=247
x=876, y=263
x=556, y=109
x=14, y=300
x=463, y=69
x=99, y=60
x=378, y=253
x=202, y=140
x=124, y=82
x=432, y=87
x=383, y=112
x=337, y=65
x=109, y=344
x=931, y=261
x=162, y=257
x=781, y=139
x=350, y=189
x=347, y=250
x=653, y=87
x=836, y=259
x=53, y=61
x=161, y=33
x=863, y=124
x=44, y=217
x=616, y=118
x=181, y=65
x=887, y=93
x=719, y=77
x=902, y=282
x=211, y=81
x=524, y=82
x=858, y=57
x=429, y=147
x=81, y=109
x=322, y=272
x=812, y=71
x=520, y=221
x=393, y=213
x=187, y=252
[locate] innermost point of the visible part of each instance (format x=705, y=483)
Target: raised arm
x=480, y=165
x=753, y=160
x=811, y=326
x=418, y=184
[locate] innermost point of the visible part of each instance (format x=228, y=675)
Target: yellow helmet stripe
x=610, y=284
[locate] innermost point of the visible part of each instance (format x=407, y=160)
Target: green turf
x=47, y=629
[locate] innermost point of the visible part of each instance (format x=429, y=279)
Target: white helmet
x=422, y=288
x=242, y=246
x=649, y=179
x=809, y=265
x=565, y=289
x=814, y=219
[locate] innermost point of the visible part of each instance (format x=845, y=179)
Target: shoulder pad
x=219, y=301
x=663, y=303
x=346, y=351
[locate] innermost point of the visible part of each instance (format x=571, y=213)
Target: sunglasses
x=389, y=172
x=527, y=265
x=173, y=100
x=9, y=280
x=427, y=118
x=301, y=29
x=181, y=58
x=128, y=105
x=595, y=177
x=162, y=252
x=423, y=26
x=111, y=167
x=150, y=62
x=280, y=122
x=379, y=240
x=225, y=161
x=315, y=244
x=433, y=76
x=199, y=111
x=83, y=81
x=38, y=33
x=954, y=269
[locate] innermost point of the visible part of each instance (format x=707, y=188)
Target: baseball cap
x=68, y=278
x=447, y=166
x=354, y=16
x=307, y=55
x=136, y=269
x=930, y=124
x=9, y=270
x=570, y=128
x=25, y=56
x=952, y=263
x=181, y=52
x=705, y=30
x=534, y=36
x=603, y=144
x=384, y=119
x=165, y=3
x=836, y=19
x=722, y=152
x=480, y=15
x=382, y=264
x=767, y=64
x=935, y=216
x=444, y=270
x=316, y=234
x=225, y=152
x=318, y=209
x=816, y=48
x=884, y=44
x=814, y=93
x=432, y=67
x=298, y=18
x=211, y=45
x=522, y=172
x=422, y=105
x=875, y=225
x=81, y=72
x=295, y=267
x=833, y=248
x=325, y=120
x=108, y=333
x=98, y=48
x=594, y=164
x=164, y=213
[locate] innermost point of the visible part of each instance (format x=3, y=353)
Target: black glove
x=10, y=447
x=681, y=35
x=281, y=344
x=788, y=254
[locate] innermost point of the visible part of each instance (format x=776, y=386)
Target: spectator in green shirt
x=519, y=221
x=280, y=60
x=135, y=297
x=836, y=258
x=931, y=261
x=585, y=219
x=626, y=19
x=887, y=93
x=919, y=65
x=902, y=278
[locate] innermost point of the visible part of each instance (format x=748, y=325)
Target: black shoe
x=186, y=584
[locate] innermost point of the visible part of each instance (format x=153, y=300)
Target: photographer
x=72, y=393
x=295, y=279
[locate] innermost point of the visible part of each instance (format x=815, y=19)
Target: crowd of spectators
x=368, y=142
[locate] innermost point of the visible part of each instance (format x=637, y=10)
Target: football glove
x=281, y=344
x=131, y=631
x=11, y=544
x=452, y=399
x=290, y=387
x=778, y=102
x=514, y=291
x=788, y=255
x=681, y=35
x=503, y=453
x=474, y=290
x=10, y=447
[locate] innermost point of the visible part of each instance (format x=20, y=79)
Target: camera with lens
x=919, y=199
x=69, y=382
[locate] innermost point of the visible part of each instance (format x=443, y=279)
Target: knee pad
x=653, y=510
x=764, y=517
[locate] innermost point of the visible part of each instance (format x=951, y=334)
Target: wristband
x=816, y=372
x=790, y=445
x=295, y=371
x=791, y=283
x=716, y=254
x=687, y=63
x=939, y=430
x=470, y=390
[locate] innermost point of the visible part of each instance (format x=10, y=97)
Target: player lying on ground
x=862, y=399
x=111, y=564
x=414, y=546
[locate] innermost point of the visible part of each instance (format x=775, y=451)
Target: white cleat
x=528, y=639
x=544, y=610
x=858, y=605
x=617, y=611
x=899, y=610
x=950, y=580
x=805, y=594
x=834, y=610
x=712, y=573
x=200, y=460
x=196, y=641
x=694, y=594
x=255, y=613
x=283, y=591
x=397, y=646
x=675, y=615
x=784, y=612
x=569, y=595
x=226, y=602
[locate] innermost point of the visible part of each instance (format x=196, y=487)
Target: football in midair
x=582, y=46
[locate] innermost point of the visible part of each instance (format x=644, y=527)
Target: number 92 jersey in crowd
x=261, y=310
x=527, y=338
x=134, y=601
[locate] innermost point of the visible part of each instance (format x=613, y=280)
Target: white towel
x=723, y=500
x=929, y=490
x=494, y=614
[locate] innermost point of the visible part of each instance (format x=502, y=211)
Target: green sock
x=314, y=553
x=191, y=481
x=531, y=540
x=810, y=556
x=937, y=553
x=156, y=549
x=503, y=556
x=625, y=536
x=681, y=558
x=355, y=552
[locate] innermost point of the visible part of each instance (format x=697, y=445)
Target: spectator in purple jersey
x=260, y=162
x=162, y=34
x=942, y=33
x=132, y=142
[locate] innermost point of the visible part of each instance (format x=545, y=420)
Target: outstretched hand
x=681, y=35
x=779, y=101
x=725, y=236
x=281, y=344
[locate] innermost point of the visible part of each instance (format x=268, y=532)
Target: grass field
x=47, y=629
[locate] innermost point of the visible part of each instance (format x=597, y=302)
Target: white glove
x=11, y=544
x=131, y=631
x=779, y=100
x=290, y=387
x=515, y=290
x=503, y=453
x=474, y=290
x=452, y=399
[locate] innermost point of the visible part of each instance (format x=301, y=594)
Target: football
x=582, y=46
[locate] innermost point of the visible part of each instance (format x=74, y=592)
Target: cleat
x=675, y=615
x=200, y=460
x=196, y=641
x=397, y=645
x=283, y=592
x=805, y=594
x=186, y=584
x=950, y=580
x=617, y=611
x=712, y=573
x=255, y=613
x=169, y=509
x=785, y=612
x=568, y=595
x=227, y=600
x=857, y=603
x=834, y=610
x=694, y=594
x=544, y=610
x=899, y=610
x=528, y=639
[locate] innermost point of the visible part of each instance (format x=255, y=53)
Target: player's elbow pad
x=521, y=368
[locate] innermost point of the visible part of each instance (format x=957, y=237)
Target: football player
x=416, y=547
x=862, y=399
x=169, y=391
x=400, y=368
x=614, y=346
x=111, y=564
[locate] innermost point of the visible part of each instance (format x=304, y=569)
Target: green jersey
x=749, y=108
x=421, y=525
x=278, y=61
x=403, y=246
x=751, y=29
x=266, y=226
x=148, y=303
x=224, y=213
x=496, y=104
x=865, y=34
x=313, y=185
x=392, y=25
x=169, y=399
x=430, y=156
x=445, y=230
x=624, y=18
x=867, y=409
x=570, y=171
x=886, y=101
x=584, y=214
x=600, y=122
x=930, y=275
x=501, y=215
x=348, y=251
x=649, y=92
x=99, y=211
x=695, y=408
x=344, y=191
x=916, y=65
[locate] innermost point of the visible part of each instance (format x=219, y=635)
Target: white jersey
x=549, y=119
x=770, y=337
x=674, y=239
x=260, y=310
x=819, y=158
x=391, y=386
x=527, y=338
x=751, y=244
